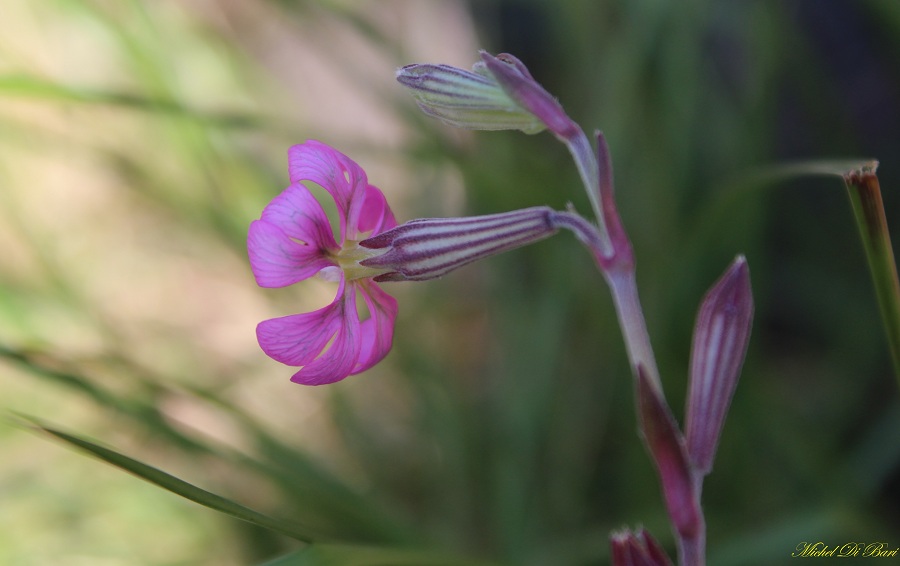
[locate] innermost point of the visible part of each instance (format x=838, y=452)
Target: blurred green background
x=138, y=139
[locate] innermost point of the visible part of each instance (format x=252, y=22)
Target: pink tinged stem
x=515, y=79
x=618, y=270
x=669, y=452
x=623, y=285
x=621, y=256
x=431, y=247
x=721, y=335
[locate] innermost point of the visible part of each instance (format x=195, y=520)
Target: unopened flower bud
x=721, y=335
x=466, y=99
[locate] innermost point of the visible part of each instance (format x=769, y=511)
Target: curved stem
x=622, y=282
x=583, y=155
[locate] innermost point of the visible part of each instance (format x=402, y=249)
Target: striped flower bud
x=428, y=248
x=721, y=335
x=474, y=100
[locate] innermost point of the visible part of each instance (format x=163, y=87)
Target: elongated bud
x=636, y=549
x=430, y=247
x=720, y=342
x=466, y=99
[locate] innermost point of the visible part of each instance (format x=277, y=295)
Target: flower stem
x=692, y=551
x=623, y=285
x=583, y=155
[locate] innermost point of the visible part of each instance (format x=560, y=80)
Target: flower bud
x=721, y=335
x=466, y=99
x=428, y=248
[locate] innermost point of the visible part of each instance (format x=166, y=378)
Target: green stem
x=868, y=208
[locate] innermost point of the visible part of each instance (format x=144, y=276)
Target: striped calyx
x=466, y=99
x=430, y=247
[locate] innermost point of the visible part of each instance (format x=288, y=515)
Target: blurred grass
x=138, y=140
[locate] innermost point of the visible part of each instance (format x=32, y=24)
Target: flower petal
x=376, y=215
x=297, y=340
x=377, y=333
x=339, y=360
x=278, y=260
x=336, y=173
x=297, y=212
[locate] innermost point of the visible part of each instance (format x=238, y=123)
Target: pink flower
x=293, y=241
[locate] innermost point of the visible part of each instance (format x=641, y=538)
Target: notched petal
x=336, y=173
x=338, y=361
x=297, y=340
x=277, y=260
x=376, y=333
x=376, y=215
x=299, y=215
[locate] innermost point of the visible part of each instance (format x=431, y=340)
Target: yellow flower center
x=351, y=254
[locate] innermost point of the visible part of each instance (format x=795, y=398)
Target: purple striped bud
x=466, y=99
x=720, y=342
x=428, y=248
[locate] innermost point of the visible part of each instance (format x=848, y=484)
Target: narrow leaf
x=178, y=486
x=353, y=555
x=26, y=86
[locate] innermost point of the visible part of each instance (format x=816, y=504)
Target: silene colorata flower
x=293, y=241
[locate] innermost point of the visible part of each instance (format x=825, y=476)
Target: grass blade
x=868, y=210
x=351, y=555
x=178, y=486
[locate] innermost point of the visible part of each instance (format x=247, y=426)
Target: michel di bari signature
x=858, y=549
